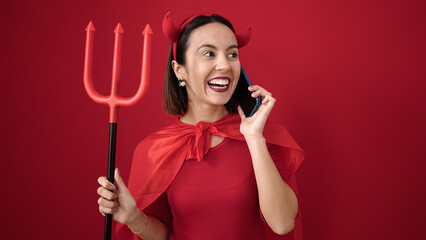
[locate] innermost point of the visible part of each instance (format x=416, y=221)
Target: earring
x=182, y=83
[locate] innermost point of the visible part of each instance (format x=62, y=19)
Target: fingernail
x=112, y=187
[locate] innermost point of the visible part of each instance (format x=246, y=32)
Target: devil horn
x=170, y=30
x=243, y=37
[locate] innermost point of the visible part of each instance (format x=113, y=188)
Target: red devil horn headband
x=172, y=32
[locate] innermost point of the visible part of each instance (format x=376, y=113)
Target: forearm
x=148, y=227
x=277, y=200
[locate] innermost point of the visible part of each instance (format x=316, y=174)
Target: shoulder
x=272, y=125
x=275, y=133
x=167, y=135
x=161, y=133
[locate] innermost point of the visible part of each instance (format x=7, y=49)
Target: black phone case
x=244, y=98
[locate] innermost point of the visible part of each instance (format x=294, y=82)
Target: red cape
x=158, y=158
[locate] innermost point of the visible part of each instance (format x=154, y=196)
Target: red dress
x=202, y=193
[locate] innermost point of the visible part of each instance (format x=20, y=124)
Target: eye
x=208, y=54
x=233, y=55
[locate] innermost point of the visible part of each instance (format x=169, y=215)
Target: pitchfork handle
x=111, y=168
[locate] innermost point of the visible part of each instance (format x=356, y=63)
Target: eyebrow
x=214, y=47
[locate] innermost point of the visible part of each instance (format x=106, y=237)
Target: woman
x=212, y=174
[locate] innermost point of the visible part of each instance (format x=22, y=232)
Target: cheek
x=236, y=67
x=199, y=72
x=237, y=72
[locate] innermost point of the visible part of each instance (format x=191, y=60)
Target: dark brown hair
x=175, y=98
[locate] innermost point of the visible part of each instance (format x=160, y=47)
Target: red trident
x=114, y=100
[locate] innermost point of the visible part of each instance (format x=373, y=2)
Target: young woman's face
x=212, y=66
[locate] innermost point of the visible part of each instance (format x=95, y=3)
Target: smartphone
x=244, y=98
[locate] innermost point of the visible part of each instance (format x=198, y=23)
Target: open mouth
x=219, y=84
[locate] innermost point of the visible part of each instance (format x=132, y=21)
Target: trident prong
x=114, y=100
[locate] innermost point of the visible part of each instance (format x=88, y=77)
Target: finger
x=107, y=194
x=255, y=88
x=104, y=210
x=255, y=94
x=103, y=181
x=119, y=181
x=266, y=99
x=107, y=203
x=261, y=92
x=241, y=112
x=101, y=211
x=269, y=100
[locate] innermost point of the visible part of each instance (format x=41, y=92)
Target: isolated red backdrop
x=349, y=77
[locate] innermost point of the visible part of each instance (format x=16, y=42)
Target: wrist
x=252, y=133
x=137, y=221
x=257, y=138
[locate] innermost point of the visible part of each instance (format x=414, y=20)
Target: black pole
x=111, y=168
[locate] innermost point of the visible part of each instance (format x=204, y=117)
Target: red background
x=349, y=77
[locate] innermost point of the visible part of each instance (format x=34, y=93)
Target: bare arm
x=123, y=207
x=277, y=200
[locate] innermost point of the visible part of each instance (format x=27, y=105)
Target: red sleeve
x=283, y=158
x=160, y=209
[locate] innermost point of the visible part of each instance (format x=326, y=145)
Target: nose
x=222, y=64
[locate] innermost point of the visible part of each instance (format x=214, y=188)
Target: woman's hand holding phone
x=253, y=126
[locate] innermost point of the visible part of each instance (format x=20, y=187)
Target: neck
x=198, y=113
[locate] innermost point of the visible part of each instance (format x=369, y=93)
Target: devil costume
x=207, y=193
x=200, y=192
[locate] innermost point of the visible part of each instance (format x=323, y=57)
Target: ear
x=179, y=70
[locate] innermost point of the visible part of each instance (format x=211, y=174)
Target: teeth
x=219, y=82
x=216, y=86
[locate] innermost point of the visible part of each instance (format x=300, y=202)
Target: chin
x=222, y=101
x=218, y=104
